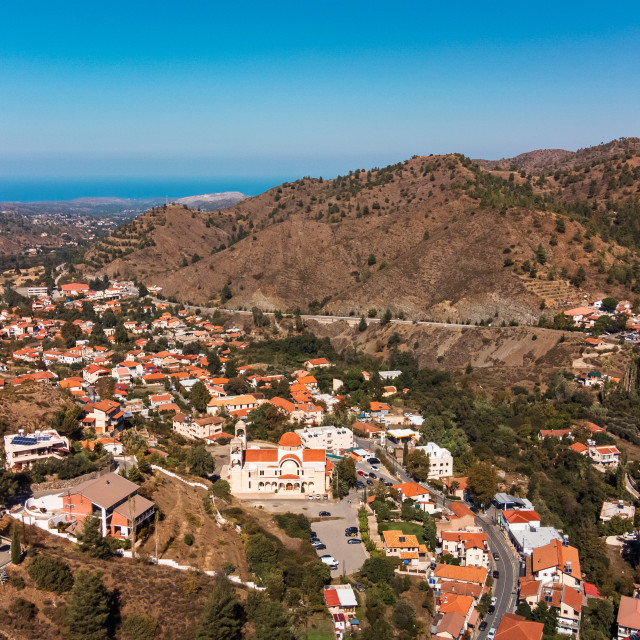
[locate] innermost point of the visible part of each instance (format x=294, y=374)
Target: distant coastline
x=55, y=189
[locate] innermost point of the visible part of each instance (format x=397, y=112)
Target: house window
x=261, y=472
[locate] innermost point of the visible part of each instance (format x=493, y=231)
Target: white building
x=22, y=450
x=197, y=429
x=333, y=439
x=440, y=461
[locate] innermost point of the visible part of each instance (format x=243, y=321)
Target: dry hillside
x=433, y=237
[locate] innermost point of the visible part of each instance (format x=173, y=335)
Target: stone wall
x=73, y=482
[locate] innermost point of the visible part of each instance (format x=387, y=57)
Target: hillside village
x=454, y=540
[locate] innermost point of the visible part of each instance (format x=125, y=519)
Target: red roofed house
x=317, y=363
x=289, y=470
x=513, y=626
x=104, y=416
x=74, y=288
x=628, y=617
x=469, y=548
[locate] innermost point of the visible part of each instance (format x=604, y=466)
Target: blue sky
x=284, y=89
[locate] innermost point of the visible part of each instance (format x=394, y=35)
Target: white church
x=289, y=470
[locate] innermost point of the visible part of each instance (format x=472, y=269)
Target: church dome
x=290, y=439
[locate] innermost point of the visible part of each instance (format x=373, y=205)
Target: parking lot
x=330, y=530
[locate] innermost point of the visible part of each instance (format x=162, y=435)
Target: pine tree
x=386, y=318
x=222, y=615
x=200, y=396
x=90, y=540
x=89, y=608
x=362, y=326
x=16, y=552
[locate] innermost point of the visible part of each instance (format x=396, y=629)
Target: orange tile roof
x=520, y=517
x=461, y=574
x=410, y=489
x=314, y=455
x=513, y=626
x=395, y=539
x=261, y=455
x=555, y=554
x=451, y=602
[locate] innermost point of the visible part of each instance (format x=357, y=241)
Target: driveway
x=330, y=530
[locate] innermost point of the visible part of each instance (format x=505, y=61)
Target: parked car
x=496, y=574
x=316, y=542
x=321, y=546
x=374, y=467
x=388, y=484
x=360, y=485
x=494, y=601
x=318, y=496
x=496, y=556
x=373, y=475
x=358, y=587
x=348, y=529
x=325, y=496
x=329, y=560
x=491, y=610
x=310, y=496
x=370, y=482
x=350, y=534
x=324, y=514
x=483, y=625
x=354, y=541
x=373, y=460
x=492, y=633
x=361, y=472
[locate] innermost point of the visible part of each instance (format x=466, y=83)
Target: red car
x=361, y=473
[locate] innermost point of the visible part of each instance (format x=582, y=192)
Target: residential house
x=197, y=428
x=232, y=403
x=22, y=450
x=93, y=372
x=554, y=433
x=470, y=548
x=369, y=430
x=604, y=457
x=628, y=617
x=104, y=416
x=378, y=410
x=457, y=517
x=317, y=363
x=513, y=626
x=406, y=547
x=451, y=572
x=620, y=508
x=113, y=499
x=558, y=563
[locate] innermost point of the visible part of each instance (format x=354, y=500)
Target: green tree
x=200, y=461
x=386, y=318
x=222, y=616
x=226, y=293
x=417, y=464
x=16, y=550
x=70, y=333
x=200, y=396
x=609, y=305
x=139, y=627
x=371, y=260
x=50, y=574
x=378, y=569
x=404, y=618
x=89, y=608
x=362, y=325
x=541, y=255
x=90, y=539
x=482, y=482
x=429, y=532
x=121, y=336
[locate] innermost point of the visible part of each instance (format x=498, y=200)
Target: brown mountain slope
x=433, y=237
x=549, y=160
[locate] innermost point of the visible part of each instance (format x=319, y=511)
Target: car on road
x=491, y=610
x=361, y=472
x=494, y=601
x=324, y=514
x=496, y=556
x=483, y=625
x=354, y=541
x=496, y=574
x=492, y=633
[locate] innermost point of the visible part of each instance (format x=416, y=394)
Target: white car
x=494, y=600
x=492, y=633
x=330, y=561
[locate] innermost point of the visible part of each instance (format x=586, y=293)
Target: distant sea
x=47, y=189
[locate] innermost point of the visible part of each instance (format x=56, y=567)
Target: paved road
x=630, y=487
x=504, y=588
x=352, y=320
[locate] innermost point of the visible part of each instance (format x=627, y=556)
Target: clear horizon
x=254, y=93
